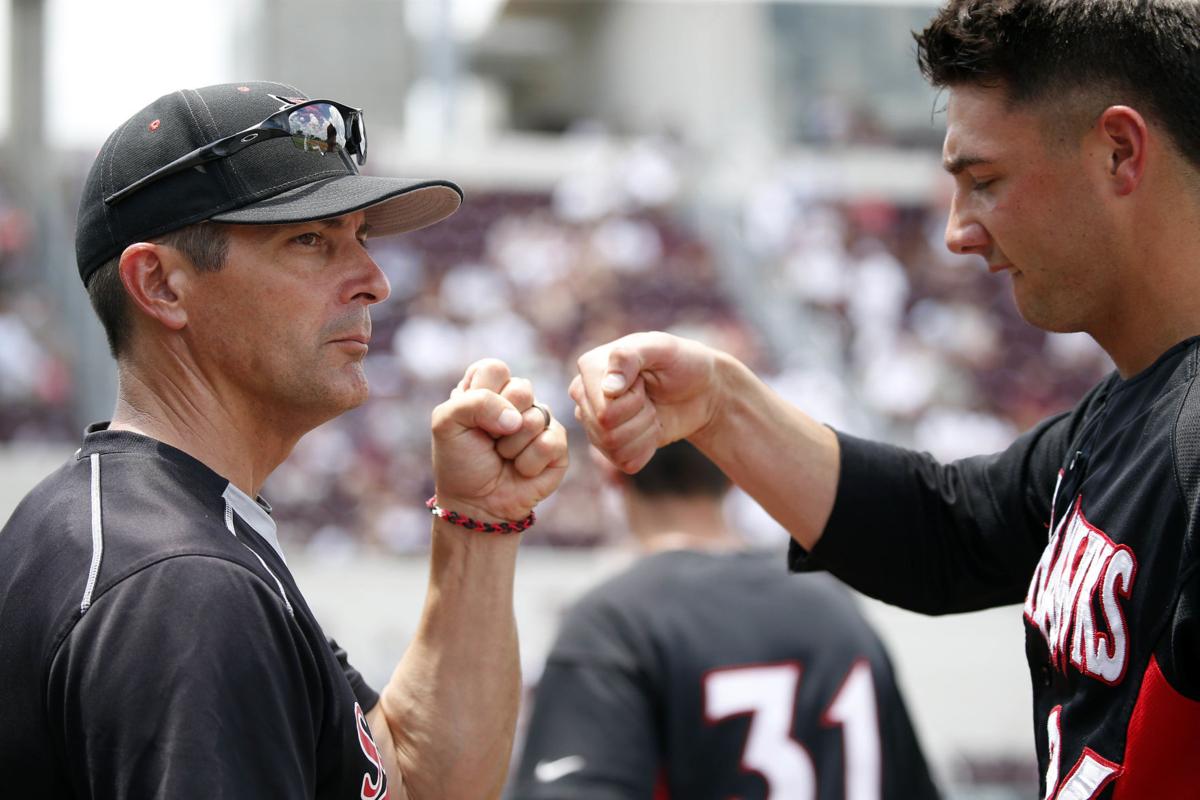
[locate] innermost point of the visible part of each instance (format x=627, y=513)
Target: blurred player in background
x=1073, y=135
x=155, y=643
x=706, y=671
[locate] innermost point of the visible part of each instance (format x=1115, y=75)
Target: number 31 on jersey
x=767, y=692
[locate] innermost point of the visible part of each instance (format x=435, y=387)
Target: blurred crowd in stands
x=35, y=363
x=887, y=335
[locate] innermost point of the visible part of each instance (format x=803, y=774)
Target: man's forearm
x=780, y=456
x=451, y=705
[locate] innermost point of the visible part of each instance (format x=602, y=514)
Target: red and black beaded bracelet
x=470, y=524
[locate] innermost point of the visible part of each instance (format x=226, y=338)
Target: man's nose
x=371, y=284
x=966, y=237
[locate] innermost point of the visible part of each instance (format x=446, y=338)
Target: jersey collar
x=254, y=514
x=191, y=472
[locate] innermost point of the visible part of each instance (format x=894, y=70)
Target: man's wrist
x=471, y=516
x=728, y=375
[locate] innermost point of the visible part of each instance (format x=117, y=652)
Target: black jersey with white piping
x=155, y=644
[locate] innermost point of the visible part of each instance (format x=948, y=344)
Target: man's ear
x=156, y=280
x=1125, y=139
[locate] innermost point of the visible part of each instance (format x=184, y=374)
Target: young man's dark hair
x=1083, y=56
x=680, y=469
x=205, y=244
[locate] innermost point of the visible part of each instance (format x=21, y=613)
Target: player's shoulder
x=624, y=606
x=668, y=573
x=183, y=604
x=681, y=612
x=125, y=483
x=662, y=589
x=208, y=587
x=197, y=628
x=122, y=512
x=106, y=518
x=619, y=593
x=679, y=574
x=56, y=496
x=710, y=572
x=618, y=621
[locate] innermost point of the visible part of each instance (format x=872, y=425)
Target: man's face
x=1030, y=202
x=283, y=326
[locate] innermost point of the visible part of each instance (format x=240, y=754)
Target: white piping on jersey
x=97, y=537
x=254, y=515
x=1054, y=498
x=230, y=528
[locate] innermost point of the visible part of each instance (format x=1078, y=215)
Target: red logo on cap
x=155, y=125
x=243, y=88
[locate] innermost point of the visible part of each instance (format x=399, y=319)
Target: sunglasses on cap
x=323, y=126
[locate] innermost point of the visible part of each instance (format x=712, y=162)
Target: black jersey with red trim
x=1091, y=519
x=703, y=675
x=154, y=645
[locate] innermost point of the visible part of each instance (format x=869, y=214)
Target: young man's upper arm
x=187, y=679
x=942, y=538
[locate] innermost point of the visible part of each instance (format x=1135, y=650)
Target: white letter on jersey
x=1109, y=661
x=1053, y=750
x=1090, y=774
x=1089, y=777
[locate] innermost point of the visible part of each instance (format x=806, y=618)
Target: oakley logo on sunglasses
x=323, y=126
x=287, y=102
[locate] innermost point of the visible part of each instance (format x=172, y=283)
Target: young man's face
x=1030, y=202
x=283, y=325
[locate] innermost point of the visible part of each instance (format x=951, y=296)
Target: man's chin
x=1042, y=315
x=358, y=390
x=350, y=391
x=1031, y=308
x=358, y=400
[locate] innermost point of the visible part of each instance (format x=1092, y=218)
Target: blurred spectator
x=35, y=378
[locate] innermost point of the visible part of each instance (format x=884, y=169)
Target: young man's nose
x=966, y=237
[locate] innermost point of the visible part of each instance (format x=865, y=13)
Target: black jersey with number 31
x=701, y=675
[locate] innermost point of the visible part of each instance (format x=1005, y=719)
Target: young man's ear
x=1125, y=138
x=155, y=279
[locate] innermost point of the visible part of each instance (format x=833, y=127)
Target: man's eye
x=979, y=186
x=308, y=239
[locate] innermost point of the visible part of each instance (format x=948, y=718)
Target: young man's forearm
x=780, y=456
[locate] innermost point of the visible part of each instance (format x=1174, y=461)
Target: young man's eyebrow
x=959, y=163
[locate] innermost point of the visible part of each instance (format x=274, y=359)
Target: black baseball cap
x=271, y=182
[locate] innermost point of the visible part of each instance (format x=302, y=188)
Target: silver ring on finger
x=545, y=412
